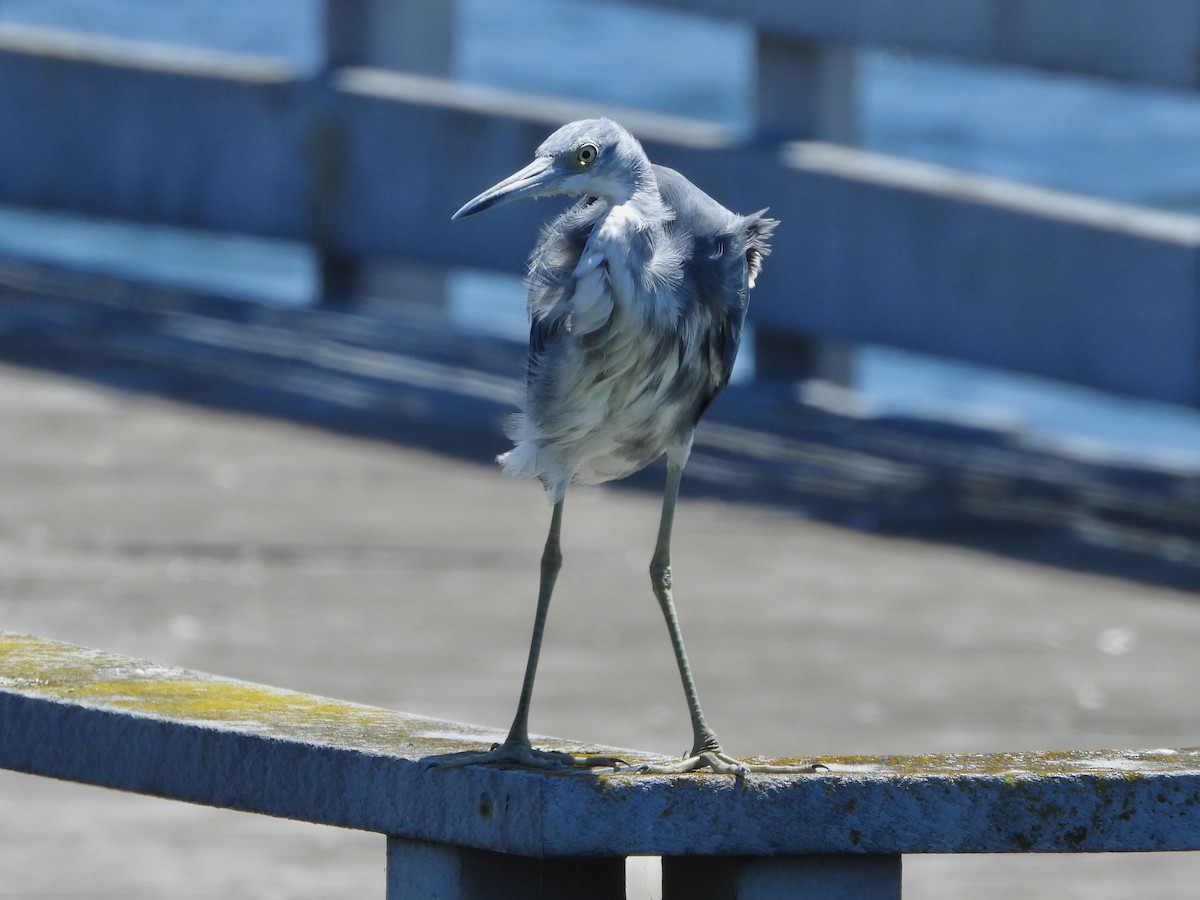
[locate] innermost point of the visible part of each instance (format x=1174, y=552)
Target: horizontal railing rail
x=1151, y=41
x=840, y=829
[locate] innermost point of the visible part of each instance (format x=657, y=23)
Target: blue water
x=1128, y=143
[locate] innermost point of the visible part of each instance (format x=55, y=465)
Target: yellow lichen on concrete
x=35, y=667
x=51, y=670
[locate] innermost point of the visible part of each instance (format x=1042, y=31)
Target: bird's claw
x=521, y=755
x=716, y=760
x=721, y=763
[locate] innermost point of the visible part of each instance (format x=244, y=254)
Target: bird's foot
x=715, y=759
x=520, y=754
x=721, y=763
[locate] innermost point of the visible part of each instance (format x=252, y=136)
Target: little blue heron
x=637, y=296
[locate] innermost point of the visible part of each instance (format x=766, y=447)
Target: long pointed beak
x=531, y=180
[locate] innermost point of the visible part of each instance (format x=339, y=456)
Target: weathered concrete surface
x=283, y=554
x=85, y=715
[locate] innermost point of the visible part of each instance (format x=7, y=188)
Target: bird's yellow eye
x=586, y=154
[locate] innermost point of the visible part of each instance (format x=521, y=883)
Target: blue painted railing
x=838, y=831
x=364, y=161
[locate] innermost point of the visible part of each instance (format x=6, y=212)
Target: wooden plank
x=1153, y=41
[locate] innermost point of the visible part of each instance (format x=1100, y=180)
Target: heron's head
x=592, y=157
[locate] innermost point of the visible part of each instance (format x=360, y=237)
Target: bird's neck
x=638, y=199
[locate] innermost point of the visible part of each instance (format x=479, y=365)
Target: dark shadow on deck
x=403, y=375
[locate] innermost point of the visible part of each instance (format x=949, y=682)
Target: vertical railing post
x=844, y=877
x=411, y=36
x=417, y=870
x=804, y=90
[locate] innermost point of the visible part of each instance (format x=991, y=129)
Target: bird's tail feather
x=759, y=230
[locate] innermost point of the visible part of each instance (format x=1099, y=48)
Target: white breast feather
x=599, y=395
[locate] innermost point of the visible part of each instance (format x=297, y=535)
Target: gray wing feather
x=551, y=266
x=720, y=270
x=726, y=255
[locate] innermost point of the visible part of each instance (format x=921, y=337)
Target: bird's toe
x=520, y=755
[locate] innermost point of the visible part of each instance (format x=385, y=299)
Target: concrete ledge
x=94, y=717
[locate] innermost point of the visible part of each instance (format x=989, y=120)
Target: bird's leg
x=516, y=749
x=706, y=749
x=518, y=734
x=704, y=739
